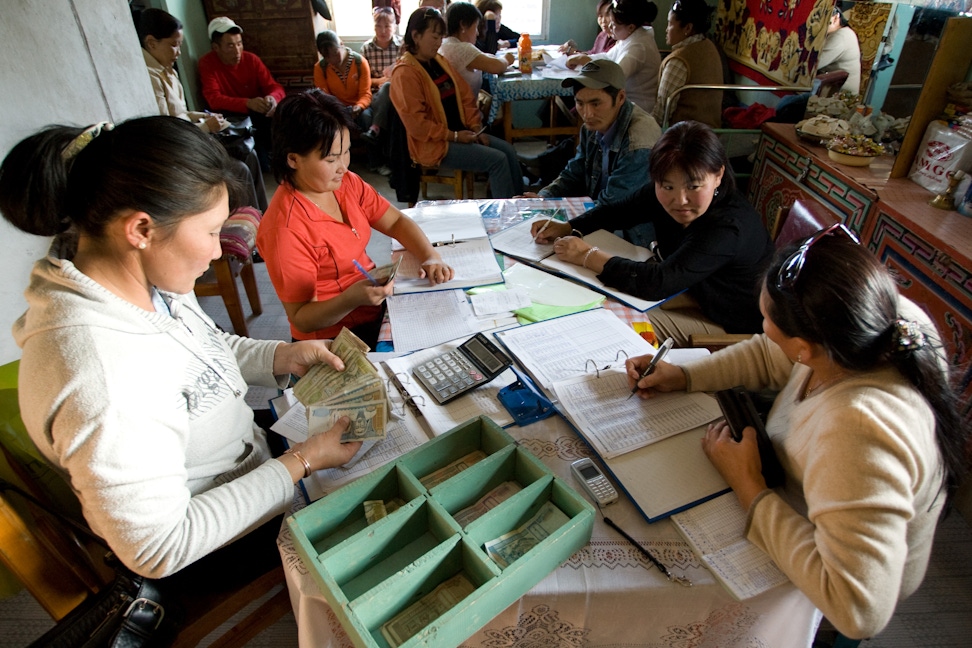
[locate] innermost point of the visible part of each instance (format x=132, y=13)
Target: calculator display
x=483, y=355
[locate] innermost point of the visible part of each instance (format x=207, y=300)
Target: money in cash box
x=427, y=549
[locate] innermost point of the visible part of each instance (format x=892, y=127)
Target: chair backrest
x=802, y=219
x=828, y=83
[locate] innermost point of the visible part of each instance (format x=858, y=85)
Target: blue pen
x=365, y=272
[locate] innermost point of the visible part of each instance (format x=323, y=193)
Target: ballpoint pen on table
x=374, y=282
x=655, y=359
x=681, y=580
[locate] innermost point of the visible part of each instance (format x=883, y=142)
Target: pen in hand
x=655, y=359
x=374, y=282
x=540, y=231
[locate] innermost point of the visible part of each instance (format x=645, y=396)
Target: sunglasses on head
x=790, y=270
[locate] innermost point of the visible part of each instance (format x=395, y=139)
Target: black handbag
x=237, y=138
x=740, y=411
x=130, y=612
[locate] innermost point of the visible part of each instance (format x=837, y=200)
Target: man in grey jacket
x=611, y=162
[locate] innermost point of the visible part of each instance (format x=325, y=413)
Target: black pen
x=452, y=242
x=655, y=359
x=681, y=580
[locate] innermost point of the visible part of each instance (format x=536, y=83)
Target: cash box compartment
x=369, y=574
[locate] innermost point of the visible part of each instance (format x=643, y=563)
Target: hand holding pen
x=552, y=228
x=653, y=363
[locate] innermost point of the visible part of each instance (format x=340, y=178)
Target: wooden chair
x=238, y=239
x=457, y=180
x=802, y=219
x=61, y=568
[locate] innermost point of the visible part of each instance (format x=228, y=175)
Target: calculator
x=450, y=375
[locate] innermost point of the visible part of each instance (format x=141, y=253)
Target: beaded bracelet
x=589, y=253
x=300, y=458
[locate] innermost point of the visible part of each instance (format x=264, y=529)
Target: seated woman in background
x=442, y=123
x=711, y=242
x=151, y=429
x=381, y=52
x=635, y=50
x=459, y=48
x=603, y=41
x=319, y=224
x=694, y=60
x=161, y=37
x=493, y=34
x=865, y=426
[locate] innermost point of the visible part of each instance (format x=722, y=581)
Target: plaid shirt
x=674, y=75
x=379, y=58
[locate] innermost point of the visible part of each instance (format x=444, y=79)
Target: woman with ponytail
x=865, y=425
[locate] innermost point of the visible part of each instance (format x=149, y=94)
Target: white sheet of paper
x=491, y=302
x=422, y=320
x=459, y=221
x=545, y=288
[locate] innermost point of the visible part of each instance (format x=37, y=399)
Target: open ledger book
x=661, y=477
x=517, y=242
x=457, y=232
x=715, y=530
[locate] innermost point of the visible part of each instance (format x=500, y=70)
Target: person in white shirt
x=635, y=51
x=459, y=47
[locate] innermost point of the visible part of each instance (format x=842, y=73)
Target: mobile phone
x=450, y=375
x=594, y=481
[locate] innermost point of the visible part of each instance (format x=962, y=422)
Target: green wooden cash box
x=371, y=573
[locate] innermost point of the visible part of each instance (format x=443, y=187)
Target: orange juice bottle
x=526, y=54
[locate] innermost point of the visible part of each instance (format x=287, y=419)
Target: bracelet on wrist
x=455, y=136
x=301, y=459
x=587, y=256
x=577, y=233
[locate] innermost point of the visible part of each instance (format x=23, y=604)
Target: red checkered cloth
x=238, y=236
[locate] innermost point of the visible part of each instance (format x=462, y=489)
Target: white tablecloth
x=606, y=594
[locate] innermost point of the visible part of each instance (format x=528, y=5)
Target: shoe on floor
x=383, y=170
x=370, y=136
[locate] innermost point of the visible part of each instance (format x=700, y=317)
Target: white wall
x=64, y=62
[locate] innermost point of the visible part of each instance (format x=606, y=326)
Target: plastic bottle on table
x=525, y=47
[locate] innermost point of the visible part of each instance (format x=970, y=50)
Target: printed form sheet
x=600, y=407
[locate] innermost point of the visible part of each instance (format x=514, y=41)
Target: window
x=353, y=21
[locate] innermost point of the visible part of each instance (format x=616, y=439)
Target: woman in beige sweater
x=865, y=425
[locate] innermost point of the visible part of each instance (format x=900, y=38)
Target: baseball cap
x=222, y=25
x=597, y=75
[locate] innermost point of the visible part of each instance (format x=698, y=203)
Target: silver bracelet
x=455, y=136
x=586, y=256
x=577, y=233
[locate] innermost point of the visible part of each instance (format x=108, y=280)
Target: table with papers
x=606, y=594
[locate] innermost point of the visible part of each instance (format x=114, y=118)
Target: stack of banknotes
x=358, y=392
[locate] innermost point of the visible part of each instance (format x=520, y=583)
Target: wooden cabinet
x=928, y=250
x=281, y=32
